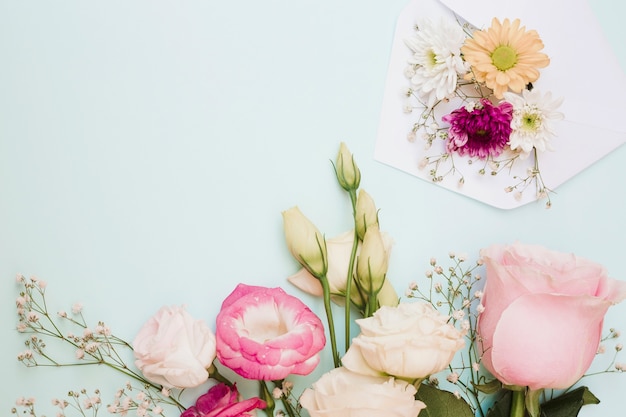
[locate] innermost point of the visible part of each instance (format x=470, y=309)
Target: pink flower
x=174, y=350
x=480, y=130
x=543, y=315
x=223, y=401
x=266, y=334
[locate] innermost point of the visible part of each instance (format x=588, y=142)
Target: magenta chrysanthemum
x=479, y=129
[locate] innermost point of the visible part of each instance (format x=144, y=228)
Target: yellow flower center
x=531, y=121
x=432, y=57
x=504, y=57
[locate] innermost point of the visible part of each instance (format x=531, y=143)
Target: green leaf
x=502, y=407
x=588, y=397
x=569, y=404
x=441, y=403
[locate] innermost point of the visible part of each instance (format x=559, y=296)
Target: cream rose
x=543, y=314
x=410, y=341
x=174, y=350
x=341, y=393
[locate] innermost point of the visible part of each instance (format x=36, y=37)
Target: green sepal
x=490, y=387
x=569, y=404
x=532, y=402
x=441, y=403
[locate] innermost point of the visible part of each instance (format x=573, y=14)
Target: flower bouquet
x=464, y=344
x=487, y=103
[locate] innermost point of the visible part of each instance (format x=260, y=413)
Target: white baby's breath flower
x=533, y=114
x=436, y=59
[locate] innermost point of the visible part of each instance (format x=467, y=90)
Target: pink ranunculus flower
x=266, y=334
x=342, y=393
x=543, y=314
x=223, y=401
x=174, y=350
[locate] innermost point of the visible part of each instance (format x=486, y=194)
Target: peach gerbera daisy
x=505, y=56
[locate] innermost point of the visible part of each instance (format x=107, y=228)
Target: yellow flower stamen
x=504, y=57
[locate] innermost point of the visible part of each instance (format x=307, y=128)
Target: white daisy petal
x=436, y=59
x=533, y=114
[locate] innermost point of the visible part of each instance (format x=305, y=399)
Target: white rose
x=174, y=350
x=343, y=393
x=410, y=341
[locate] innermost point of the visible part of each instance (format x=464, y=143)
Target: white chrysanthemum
x=531, y=123
x=436, y=59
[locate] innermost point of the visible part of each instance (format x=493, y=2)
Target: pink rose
x=543, y=314
x=266, y=334
x=174, y=350
x=223, y=401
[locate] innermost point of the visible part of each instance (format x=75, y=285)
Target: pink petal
x=546, y=340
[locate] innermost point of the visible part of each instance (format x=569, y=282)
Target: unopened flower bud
x=387, y=295
x=347, y=172
x=373, y=262
x=366, y=214
x=305, y=242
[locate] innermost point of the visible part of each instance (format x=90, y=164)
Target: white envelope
x=583, y=70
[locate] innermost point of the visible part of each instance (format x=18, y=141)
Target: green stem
x=518, y=399
x=215, y=374
x=329, y=317
x=266, y=395
x=372, y=303
x=348, y=300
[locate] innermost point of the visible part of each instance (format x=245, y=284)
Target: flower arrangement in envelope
x=491, y=99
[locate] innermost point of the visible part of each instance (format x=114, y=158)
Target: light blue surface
x=147, y=149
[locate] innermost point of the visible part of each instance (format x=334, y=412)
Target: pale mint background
x=147, y=149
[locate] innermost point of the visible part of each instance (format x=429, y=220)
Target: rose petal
x=559, y=354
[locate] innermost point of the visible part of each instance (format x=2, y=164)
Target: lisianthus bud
x=366, y=213
x=372, y=263
x=387, y=295
x=347, y=172
x=305, y=242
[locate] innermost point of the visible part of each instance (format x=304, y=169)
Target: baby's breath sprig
x=613, y=365
x=79, y=402
x=284, y=391
x=533, y=177
x=455, y=290
x=95, y=345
